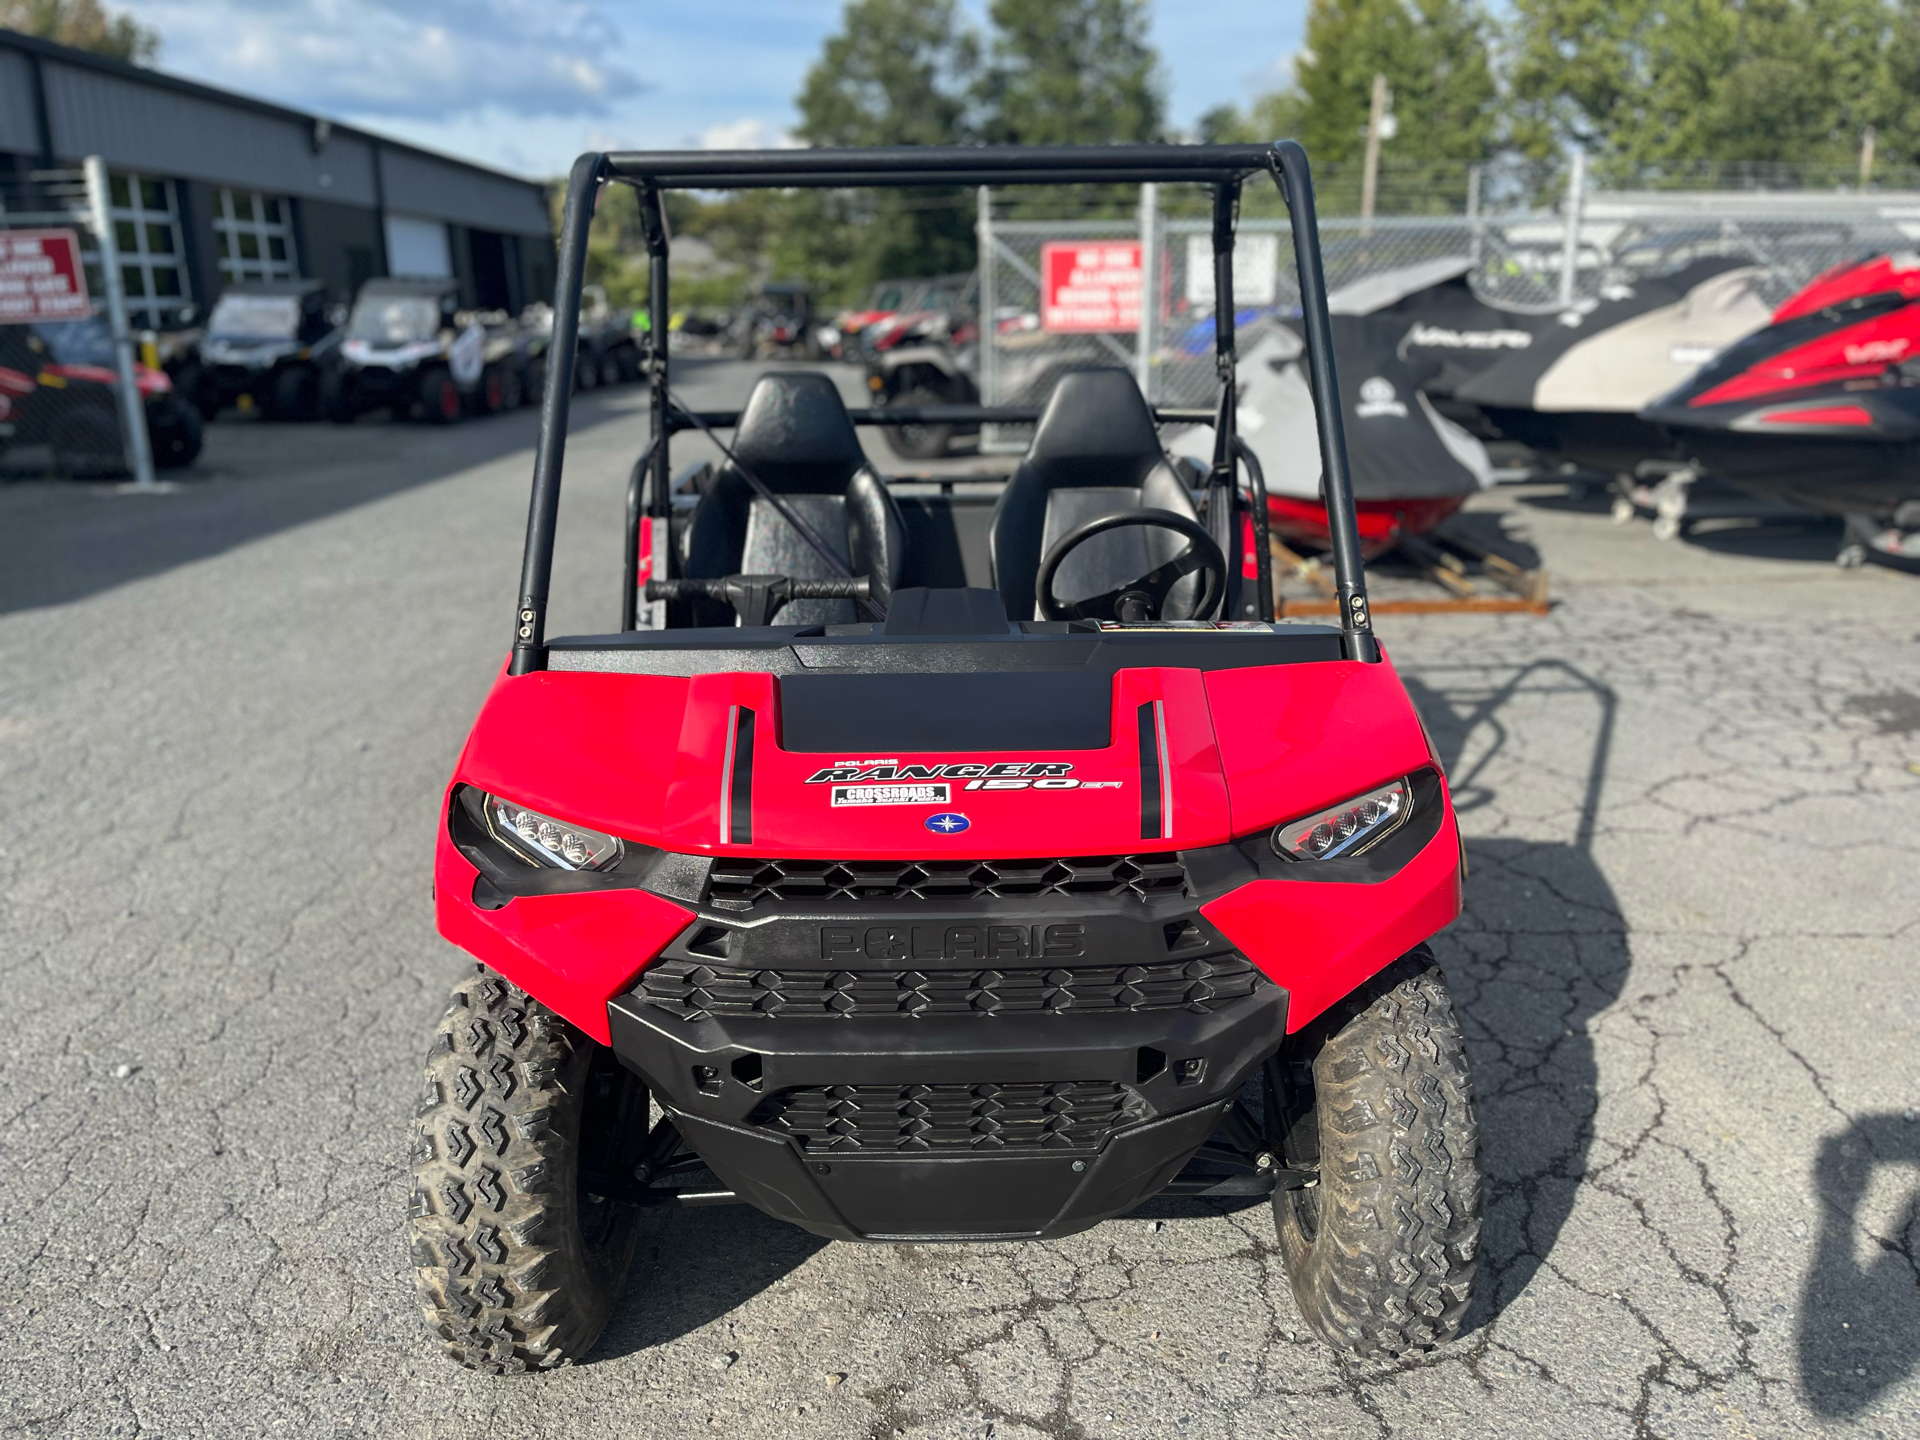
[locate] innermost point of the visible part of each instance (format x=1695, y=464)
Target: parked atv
x=777, y=323
x=268, y=341
x=840, y=337
x=927, y=910
x=60, y=410
x=410, y=350
x=609, y=351
x=927, y=354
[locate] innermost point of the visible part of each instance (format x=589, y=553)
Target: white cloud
x=750, y=132
x=529, y=84
x=417, y=59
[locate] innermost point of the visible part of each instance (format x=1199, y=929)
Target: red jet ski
x=1822, y=408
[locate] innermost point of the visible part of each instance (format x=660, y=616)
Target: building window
x=255, y=235
x=146, y=228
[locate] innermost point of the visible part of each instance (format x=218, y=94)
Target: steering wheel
x=1142, y=599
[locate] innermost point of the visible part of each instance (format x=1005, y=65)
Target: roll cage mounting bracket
x=1223, y=167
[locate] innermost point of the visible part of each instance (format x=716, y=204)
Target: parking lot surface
x=1690, y=969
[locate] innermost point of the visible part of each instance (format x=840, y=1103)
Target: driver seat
x=797, y=438
x=1095, y=452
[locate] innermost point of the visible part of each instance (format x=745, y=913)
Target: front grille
x=738, y=881
x=1057, y=1115
x=697, y=991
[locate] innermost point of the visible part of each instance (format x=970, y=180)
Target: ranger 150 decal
x=887, y=782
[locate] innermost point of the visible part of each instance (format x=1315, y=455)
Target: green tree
x=1071, y=72
x=85, y=25
x=1641, y=85
x=897, y=72
x=1437, y=57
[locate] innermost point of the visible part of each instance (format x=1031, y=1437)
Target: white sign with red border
x=1090, y=287
x=41, y=277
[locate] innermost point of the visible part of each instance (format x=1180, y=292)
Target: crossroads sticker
x=893, y=795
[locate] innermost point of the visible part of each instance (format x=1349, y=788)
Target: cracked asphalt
x=1688, y=969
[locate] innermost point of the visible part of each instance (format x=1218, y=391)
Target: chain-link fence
x=71, y=401
x=1515, y=255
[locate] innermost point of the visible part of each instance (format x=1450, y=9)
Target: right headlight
x=543, y=840
x=1346, y=828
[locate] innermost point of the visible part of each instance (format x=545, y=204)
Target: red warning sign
x=41, y=278
x=1090, y=286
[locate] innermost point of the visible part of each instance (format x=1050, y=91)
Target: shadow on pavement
x=1491, y=530
x=693, y=1266
x=1815, y=538
x=1592, y=496
x=1859, y=1316
x=1540, y=950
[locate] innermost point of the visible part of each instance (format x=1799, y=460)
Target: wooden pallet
x=1526, y=590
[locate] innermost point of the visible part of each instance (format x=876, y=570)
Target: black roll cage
x=1223, y=167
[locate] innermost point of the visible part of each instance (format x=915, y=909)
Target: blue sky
x=528, y=84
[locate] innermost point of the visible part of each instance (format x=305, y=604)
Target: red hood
x=644, y=757
x=850, y=321
x=1883, y=274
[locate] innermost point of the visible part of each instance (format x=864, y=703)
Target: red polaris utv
x=918, y=865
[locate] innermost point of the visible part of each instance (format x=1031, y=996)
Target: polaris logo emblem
x=893, y=795
x=948, y=823
x=953, y=942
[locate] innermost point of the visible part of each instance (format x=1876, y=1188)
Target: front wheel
x=493, y=392
x=174, y=432
x=337, y=398
x=919, y=441
x=517, y=1264
x=440, y=400
x=1382, y=1251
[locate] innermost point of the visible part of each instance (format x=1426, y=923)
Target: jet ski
x=1821, y=409
x=1439, y=323
x=1411, y=466
x=1574, y=393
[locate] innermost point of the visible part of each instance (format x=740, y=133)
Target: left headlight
x=543, y=840
x=1346, y=828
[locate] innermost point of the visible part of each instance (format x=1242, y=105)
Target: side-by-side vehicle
x=944, y=861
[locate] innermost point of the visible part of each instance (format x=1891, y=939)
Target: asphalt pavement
x=1689, y=967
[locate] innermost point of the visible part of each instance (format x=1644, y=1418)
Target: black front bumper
x=375, y=385
x=229, y=382
x=816, y=1118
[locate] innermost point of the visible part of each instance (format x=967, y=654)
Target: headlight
x=1346, y=828
x=544, y=840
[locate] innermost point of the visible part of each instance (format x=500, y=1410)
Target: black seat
x=796, y=437
x=1094, y=452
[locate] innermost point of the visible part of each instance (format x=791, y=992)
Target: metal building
x=210, y=187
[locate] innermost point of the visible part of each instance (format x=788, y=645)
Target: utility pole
x=133, y=410
x=1474, y=239
x=1867, y=138
x=1147, y=340
x=1377, y=121
x=1570, y=245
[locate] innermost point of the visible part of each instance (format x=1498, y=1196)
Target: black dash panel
x=1149, y=774
x=880, y=714
x=740, y=799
